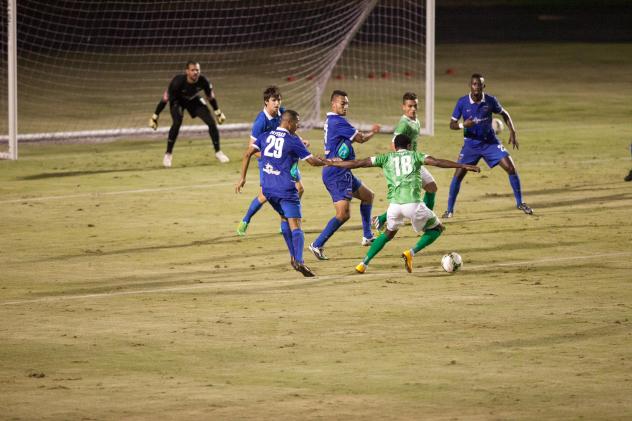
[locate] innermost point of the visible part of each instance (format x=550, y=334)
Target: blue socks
x=287, y=236
x=365, y=212
x=254, y=207
x=455, y=186
x=332, y=226
x=514, y=180
x=298, y=240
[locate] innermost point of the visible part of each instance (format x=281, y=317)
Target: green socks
x=428, y=238
x=378, y=244
x=429, y=200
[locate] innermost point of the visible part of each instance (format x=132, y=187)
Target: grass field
x=124, y=293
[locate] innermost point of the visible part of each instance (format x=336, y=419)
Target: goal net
x=94, y=68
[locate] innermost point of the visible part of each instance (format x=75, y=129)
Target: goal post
x=84, y=68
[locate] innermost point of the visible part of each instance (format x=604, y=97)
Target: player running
x=266, y=120
x=340, y=182
x=403, y=178
x=480, y=141
x=410, y=126
x=185, y=92
x=280, y=149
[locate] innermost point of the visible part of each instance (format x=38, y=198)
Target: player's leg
x=340, y=190
x=455, y=187
x=430, y=186
x=203, y=112
x=254, y=207
x=507, y=164
x=422, y=219
x=176, y=118
x=394, y=221
x=292, y=208
x=366, y=196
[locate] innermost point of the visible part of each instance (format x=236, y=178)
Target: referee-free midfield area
x=125, y=293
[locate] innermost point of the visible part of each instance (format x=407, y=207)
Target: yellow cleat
x=408, y=260
x=361, y=268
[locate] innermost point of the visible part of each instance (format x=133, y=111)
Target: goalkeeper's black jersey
x=183, y=93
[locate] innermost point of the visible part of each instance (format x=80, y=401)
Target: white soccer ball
x=497, y=125
x=451, y=262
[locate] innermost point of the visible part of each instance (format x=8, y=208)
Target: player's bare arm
x=362, y=137
x=512, y=129
x=245, y=162
x=356, y=163
x=446, y=163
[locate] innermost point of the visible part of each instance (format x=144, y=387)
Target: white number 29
x=277, y=144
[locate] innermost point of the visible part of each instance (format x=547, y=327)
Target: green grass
x=124, y=293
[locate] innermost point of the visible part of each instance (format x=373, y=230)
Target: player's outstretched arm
x=356, y=163
x=316, y=161
x=362, y=137
x=245, y=162
x=446, y=163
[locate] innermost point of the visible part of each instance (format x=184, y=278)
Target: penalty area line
x=295, y=281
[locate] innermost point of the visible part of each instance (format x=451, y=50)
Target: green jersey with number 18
x=410, y=128
x=401, y=169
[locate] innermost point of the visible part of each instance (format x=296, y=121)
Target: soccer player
x=480, y=141
x=410, y=126
x=186, y=92
x=267, y=120
x=340, y=182
x=403, y=178
x=629, y=176
x=280, y=150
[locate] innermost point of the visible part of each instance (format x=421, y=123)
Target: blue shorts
x=342, y=188
x=474, y=150
x=287, y=208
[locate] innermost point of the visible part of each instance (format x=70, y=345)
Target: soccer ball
x=497, y=125
x=451, y=262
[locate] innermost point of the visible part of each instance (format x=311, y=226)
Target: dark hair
x=191, y=62
x=271, y=92
x=401, y=141
x=479, y=77
x=409, y=96
x=290, y=115
x=337, y=93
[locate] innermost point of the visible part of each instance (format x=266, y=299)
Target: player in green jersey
x=410, y=126
x=402, y=171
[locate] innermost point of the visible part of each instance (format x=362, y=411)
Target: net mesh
x=103, y=65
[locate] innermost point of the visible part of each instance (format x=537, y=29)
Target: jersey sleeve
x=173, y=89
x=379, y=160
x=208, y=88
x=401, y=128
x=344, y=129
x=457, y=113
x=258, y=141
x=299, y=149
x=258, y=126
x=496, y=107
x=420, y=157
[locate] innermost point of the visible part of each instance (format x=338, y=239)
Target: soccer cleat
x=408, y=260
x=367, y=241
x=293, y=263
x=361, y=268
x=628, y=177
x=166, y=161
x=447, y=215
x=221, y=157
x=375, y=221
x=319, y=252
x=525, y=208
x=307, y=272
x=241, y=228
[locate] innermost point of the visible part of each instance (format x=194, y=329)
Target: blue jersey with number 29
x=280, y=150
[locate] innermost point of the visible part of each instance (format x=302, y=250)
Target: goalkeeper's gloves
x=221, y=118
x=153, y=121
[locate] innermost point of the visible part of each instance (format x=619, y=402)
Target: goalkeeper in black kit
x=190, y=91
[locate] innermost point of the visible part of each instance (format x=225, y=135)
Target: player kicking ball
x=403, y=179
x=280, y=150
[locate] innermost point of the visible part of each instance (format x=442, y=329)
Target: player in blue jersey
x=280, y=150
x=266, y=120
x=480, y=141
x=341, y=184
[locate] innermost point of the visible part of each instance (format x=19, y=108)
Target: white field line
x=112, y=193
x=294, y=281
